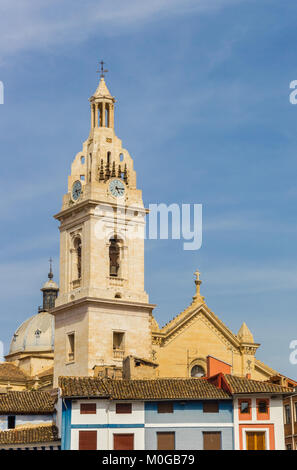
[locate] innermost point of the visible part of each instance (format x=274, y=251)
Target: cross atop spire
x=102, y=71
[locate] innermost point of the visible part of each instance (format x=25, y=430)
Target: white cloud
x=35, y=24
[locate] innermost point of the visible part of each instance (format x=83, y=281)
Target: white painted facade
x=276, y=418
x=107, y=423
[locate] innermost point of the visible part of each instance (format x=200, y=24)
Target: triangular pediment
x=185, y=319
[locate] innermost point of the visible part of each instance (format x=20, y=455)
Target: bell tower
x=102, y=313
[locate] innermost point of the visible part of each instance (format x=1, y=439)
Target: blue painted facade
x=189, y=422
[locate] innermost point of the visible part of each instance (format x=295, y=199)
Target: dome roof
x=50, y=285
x=35, y=334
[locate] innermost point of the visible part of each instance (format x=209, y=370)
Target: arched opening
x=197, y=371
x=114, y=256
x=107, y=121
x=77, y=248
x=108, y=157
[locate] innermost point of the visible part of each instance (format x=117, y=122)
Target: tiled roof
x=11, y=372
x=150, y=389
x=34, y=434
x=243, y=385
x=26, y=402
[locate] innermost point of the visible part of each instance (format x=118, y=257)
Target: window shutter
x=123, y=408
x=166, y=440
x=87, y=440
x=123, y=441
x=88, y=408
x=212, y=441
x=165, y=407
x=211, y=406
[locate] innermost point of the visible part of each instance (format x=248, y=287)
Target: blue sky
x=203, y=107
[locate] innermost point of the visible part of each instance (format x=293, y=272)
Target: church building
x=102, y=323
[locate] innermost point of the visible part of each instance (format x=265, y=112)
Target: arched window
x=197, y=371
x=77, y=247
x=114, y=257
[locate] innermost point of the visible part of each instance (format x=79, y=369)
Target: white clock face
x=117, y=188
x=76, y=190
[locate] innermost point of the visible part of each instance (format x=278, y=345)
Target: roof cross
x=102, y=71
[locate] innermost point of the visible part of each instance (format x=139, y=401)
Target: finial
x=102, y=71
x=50, y=274
x=198, y=282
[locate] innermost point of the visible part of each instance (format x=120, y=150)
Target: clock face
x=76, y=190
x=117, y=188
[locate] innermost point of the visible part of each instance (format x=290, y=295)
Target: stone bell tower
x=102, y=313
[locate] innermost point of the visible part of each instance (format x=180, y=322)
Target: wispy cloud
x=33, y=24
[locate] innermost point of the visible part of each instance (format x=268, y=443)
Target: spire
x=49, y=290
x=50, y=274
x=102, y=90
x=198, y=297
x=102, y=104
x=245, y=335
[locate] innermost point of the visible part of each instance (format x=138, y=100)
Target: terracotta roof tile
x=150, y=389
x=242, y=385
x=36, y=434
x=9, y=371
x=26, y=402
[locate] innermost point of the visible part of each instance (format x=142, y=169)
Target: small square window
x=88, y=408
x=165, y=407
x=262, y=407
x=210, y=406
x=244, y=407
x=123, y=408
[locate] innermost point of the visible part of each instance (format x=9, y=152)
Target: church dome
x=35, y=334
x=50, y=285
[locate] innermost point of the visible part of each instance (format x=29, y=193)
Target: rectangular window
x=212, y=441
x=70, y=347
x=295, y=411
x=287, y=414
x=10, y=422
x=255, y=441
x=88, y=408
x=263, y=408
x=165, y=407
x=118, y=341
x=244, y=407
x=211, y=406
x=123, y=408
x=87, y=440
x=166, y=440
x=123, y=441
